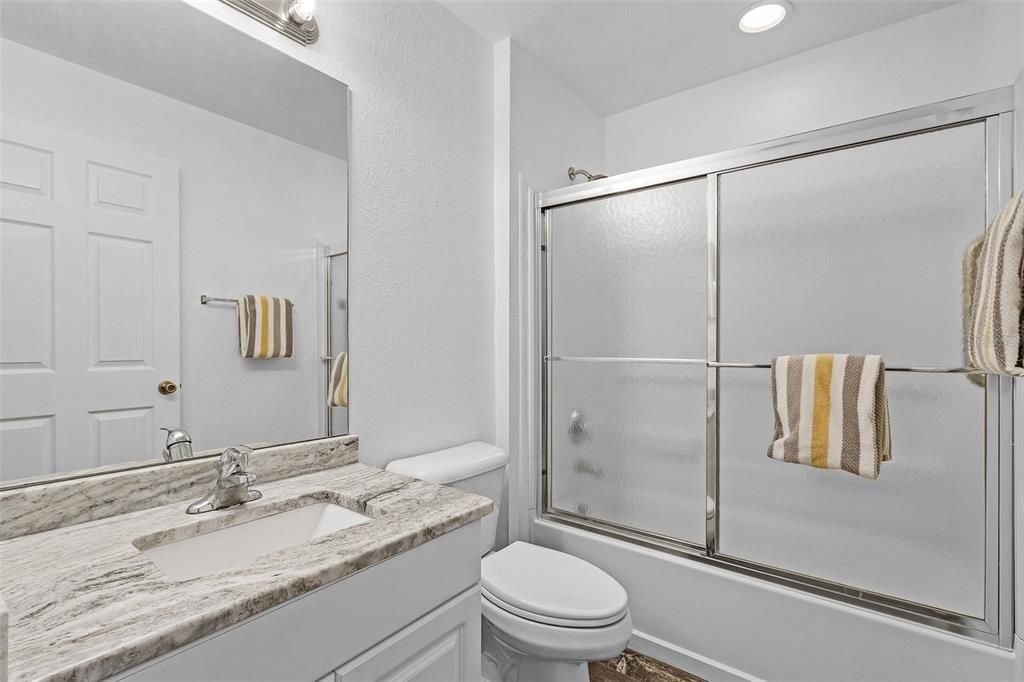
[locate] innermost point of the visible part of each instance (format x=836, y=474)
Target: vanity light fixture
x=301, y=11
x=764, y=16
x=293, y=18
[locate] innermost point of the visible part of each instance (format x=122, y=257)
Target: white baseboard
x=687, y=660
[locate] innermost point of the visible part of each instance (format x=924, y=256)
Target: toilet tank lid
x=452, y=464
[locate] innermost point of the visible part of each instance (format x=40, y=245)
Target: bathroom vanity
x=343, y=573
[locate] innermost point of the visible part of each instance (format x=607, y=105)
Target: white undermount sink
x=234, y=546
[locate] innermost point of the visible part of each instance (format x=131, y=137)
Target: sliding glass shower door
x=669, y=292
x=858, y=250
x=627, y=360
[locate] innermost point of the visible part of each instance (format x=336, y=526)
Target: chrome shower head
x=573, y=172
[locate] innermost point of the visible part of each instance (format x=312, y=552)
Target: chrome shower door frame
x=995, y=109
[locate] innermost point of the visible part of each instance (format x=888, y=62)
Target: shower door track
x=994, y=108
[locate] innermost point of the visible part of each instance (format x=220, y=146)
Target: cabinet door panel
x=443, y=646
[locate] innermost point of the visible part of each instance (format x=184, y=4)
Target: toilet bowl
x=546, y=614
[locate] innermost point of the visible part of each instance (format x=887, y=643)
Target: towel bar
x=743, y=365
x=650, y=361
x=926, y=370
x=204, y=299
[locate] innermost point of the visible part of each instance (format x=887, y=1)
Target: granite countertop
x=84, y=603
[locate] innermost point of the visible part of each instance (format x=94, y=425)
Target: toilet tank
x=476, y=467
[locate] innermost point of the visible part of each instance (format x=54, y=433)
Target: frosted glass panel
x=638, y=459
x=917, y=532
x=629, y=274
x=853, y=251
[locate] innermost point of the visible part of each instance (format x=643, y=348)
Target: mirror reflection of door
x=89, y=297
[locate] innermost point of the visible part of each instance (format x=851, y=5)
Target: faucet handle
x=235, y=460
x=233, y=481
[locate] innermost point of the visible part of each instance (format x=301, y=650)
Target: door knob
x=166, y=387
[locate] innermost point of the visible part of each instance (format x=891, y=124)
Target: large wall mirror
x=157, y=166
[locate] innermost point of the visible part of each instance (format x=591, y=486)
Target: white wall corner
x=502, y=190
x=502, y=114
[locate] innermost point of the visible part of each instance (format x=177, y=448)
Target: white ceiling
x=619, y=54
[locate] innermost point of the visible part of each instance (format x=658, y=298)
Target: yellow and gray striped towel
x=264, y=327
x=338, y=396
x=995, y=316
x=831, y=412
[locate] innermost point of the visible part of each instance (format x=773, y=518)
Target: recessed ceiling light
x=764, y=16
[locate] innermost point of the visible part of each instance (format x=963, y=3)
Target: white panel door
x=89, y=311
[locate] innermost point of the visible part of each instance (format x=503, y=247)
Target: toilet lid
x=551, y=587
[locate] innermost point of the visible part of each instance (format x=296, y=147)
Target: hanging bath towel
x=338, y=396
x=831, y=412
x=996, y=315
x=264, y=327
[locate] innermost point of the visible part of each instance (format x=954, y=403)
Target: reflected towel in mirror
x=338, y=390
x=264, y=327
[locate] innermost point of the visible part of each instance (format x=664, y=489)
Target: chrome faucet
x=178, y=446
x=233, y=481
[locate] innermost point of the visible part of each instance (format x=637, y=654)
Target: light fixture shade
x=764, y=16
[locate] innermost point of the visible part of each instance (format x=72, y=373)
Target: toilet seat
x=547, y=620
x=550, y=587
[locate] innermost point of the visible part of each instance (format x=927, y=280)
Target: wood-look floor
x=633, y=667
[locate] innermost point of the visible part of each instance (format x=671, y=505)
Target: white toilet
x=545, y=613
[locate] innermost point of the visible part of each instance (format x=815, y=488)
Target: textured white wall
x=552, y=127
x=420, y=221
x=960, y=50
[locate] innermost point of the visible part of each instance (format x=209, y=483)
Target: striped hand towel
x=264, y=327
x=996, y=314
x=338, y=396
x=831, y=412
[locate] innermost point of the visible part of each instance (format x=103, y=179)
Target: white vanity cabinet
x=415, y=616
